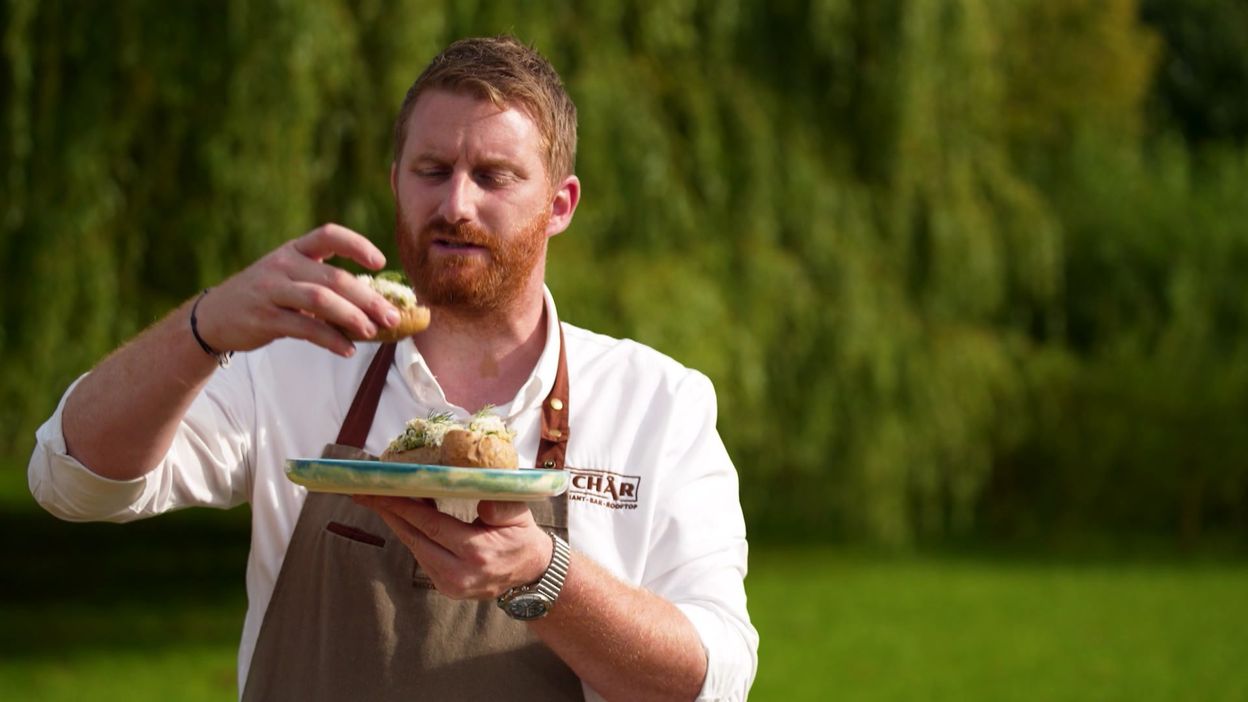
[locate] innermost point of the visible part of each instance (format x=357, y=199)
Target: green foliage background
x=958, y=268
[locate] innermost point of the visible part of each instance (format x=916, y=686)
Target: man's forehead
x=468, y=108
x=445, y=119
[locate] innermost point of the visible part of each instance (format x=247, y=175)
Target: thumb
x=500, y=513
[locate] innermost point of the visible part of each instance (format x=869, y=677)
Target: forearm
x=121, y=418
x=625, y=642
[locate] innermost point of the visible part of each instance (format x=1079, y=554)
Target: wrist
x=222, y=357
x=537, y=598
x=544, y=547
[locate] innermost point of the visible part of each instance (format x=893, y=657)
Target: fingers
x=426, y=550
x=331, y=293
x=465, y=560
x=446, y=531
x=291, y=292
x=451, y=532
x=329, y=240
x=503, y=513
x=295, y=325
x=331, y=305
x=444, y=567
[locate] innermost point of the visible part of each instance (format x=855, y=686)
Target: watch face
x=527, y=606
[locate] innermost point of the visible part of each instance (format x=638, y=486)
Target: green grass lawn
x=152, y=611
x=969, y=629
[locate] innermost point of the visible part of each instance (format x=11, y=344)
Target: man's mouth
x=455, y=244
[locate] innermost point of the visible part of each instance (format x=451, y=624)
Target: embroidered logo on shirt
x=604, y=488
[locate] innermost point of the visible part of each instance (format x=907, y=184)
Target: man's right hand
x=292, y=292
x=120, y=420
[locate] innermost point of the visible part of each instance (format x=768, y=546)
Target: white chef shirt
x=653, y=496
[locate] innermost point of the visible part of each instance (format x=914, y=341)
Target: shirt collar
x=428, y=392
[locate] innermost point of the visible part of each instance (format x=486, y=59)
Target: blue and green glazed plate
x=418, y=480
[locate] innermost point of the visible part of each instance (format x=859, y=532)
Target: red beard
x=471, y=283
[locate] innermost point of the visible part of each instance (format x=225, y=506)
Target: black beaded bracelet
x=223, y=359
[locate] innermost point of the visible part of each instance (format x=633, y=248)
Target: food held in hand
x=413, y=316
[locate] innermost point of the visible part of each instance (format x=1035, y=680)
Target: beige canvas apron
x=353, y=617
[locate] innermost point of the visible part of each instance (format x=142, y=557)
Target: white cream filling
x=397, y=293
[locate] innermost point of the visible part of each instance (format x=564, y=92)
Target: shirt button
x=556, y=404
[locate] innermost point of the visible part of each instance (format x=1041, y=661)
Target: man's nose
x=459, y=202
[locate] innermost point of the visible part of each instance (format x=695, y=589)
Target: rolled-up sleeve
x=698, y=553
x=207, y=464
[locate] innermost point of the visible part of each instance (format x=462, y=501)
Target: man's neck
x=485, y=360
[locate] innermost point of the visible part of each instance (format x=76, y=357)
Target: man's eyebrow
x=490, y=163
x=502, y=164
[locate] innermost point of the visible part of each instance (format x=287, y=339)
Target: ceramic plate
x=418, y=480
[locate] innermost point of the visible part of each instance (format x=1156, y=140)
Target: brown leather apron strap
x=355, y=427
x=555, y=426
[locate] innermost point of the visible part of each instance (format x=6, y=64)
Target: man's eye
x=431, y=172
x=492, y=178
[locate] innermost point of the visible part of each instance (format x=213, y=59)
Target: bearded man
x=386, y=597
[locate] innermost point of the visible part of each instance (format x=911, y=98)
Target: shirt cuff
x=730, y=663
x=71, y=491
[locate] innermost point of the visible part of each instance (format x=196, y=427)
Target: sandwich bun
x=411, y=321
x=425, y=455
x=482, y=442
x=473, y=449
x=413, y=316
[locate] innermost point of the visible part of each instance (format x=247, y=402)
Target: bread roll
x=473, y=449
x=411, y=321
x=413, y=316
x=426, y=455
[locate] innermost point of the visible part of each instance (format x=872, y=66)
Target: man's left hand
x=503, y=548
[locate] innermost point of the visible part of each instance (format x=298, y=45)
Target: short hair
x=509, y=74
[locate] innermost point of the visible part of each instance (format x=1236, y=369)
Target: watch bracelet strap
x=551, y=582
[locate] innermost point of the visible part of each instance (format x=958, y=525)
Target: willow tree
x=860, y=219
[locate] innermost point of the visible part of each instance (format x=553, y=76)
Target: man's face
x=474, y=204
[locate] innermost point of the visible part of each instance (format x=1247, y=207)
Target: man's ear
x=394, y=184
x=567, y=195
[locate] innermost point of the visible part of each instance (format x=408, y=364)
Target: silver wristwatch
x=535, y=600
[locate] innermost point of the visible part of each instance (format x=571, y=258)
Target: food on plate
x=421, y=440
x=483, y=442
x=413, y=316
